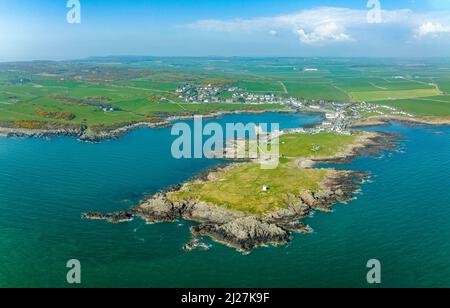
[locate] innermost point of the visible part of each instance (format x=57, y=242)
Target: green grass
x=392, y=95
x=310, y=90
x=444, y=85
x=263, y=86
x=241, y=187
x=365, y=84
x=305, y=145
x=426, y=106
x=151, y=85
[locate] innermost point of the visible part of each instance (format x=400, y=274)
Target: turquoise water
x=401, y=218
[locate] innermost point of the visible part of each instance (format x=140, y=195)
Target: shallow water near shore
x=401, y=217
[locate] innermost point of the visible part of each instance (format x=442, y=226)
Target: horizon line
x=227, y=57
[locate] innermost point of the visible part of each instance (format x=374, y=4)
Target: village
x=338, y=116
x=229, y=94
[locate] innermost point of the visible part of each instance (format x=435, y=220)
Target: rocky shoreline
x=40, y=133
x=237, y=229
x=86, y=134
x=369, y=145
x=245, y=231
x=386, y=119
x=82, y=133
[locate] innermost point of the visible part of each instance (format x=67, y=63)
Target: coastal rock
x=295, y=208
x=370, y=145
x=116, y=217
x=206, y=213
x=97, y=135
x=196, y=244
x=245, y=233
x=412, y=121
x=159, y=209
x=41, y=133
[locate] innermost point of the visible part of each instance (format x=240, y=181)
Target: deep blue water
x=401, y=218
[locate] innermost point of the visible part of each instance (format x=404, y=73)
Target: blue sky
x=31, y=29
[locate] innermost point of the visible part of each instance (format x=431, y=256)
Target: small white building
x=331, y=116
x=265, y=188
x=309, y=70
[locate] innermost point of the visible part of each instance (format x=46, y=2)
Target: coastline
x=86, y=134
x=245, y=231
x=386, y=119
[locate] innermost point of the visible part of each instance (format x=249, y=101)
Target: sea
x=401, y=217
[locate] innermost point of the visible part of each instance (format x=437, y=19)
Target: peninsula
x=245, y=207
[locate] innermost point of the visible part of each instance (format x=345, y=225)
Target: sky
x=39, y=30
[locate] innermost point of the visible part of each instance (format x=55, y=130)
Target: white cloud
x=319, y=25
x=329, y=32
x=323, y=25
x=432, y=29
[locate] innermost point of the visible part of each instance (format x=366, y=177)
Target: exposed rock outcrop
x=414, y=121
x=196, y=244
x=244, y=233
x=41, y=133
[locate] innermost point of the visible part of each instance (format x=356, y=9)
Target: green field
x=261, y=85
x=426, y=106
x=391, y=95
x=315, y=90
x=302, y=145
x=444, y=85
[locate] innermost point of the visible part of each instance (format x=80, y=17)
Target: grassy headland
x=245, y=206
x=240, y=186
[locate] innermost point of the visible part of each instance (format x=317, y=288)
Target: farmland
x=111, y=91
x=422, y=106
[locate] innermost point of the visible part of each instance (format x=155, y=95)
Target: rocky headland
x=246, y=231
